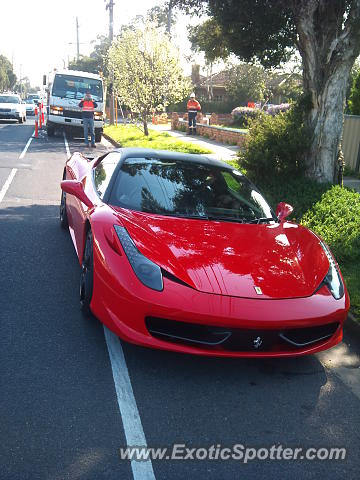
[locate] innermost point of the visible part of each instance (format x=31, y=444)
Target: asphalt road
x=59, y=405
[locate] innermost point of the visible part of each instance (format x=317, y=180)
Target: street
x=72, y=395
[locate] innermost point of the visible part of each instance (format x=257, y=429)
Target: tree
x=246, y=83
x=354, y=99
x=147, y=72
x=162, y=16
x=7, y=75
x=96, y=62
x=327, y=36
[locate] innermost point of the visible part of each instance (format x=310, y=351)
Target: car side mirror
x=73, y=187
x=283, y=210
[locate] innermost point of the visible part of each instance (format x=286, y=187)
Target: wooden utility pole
x=110, y=6
x=77, y=40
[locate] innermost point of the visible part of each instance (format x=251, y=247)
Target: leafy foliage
x=147, y=71
x=335, y=217
x=7, y=75
x=354, y=99
x=246, y=83
x=255, y=29
x=130, y=136
x=208, y=38
x=276, y=145
x=96, y=62
x=243, y=115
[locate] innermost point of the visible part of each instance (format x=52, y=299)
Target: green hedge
x=276, y=145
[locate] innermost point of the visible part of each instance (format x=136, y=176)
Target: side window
x=103, y=172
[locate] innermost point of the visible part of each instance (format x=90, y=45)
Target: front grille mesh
x=237, y=339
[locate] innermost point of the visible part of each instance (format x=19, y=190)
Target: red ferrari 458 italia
x=182, y=252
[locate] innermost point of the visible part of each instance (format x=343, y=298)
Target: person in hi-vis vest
x=193, y=107
x=88, y=106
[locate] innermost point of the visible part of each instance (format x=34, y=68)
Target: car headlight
x=147, y=271
x=333, y=279
x=56, y=110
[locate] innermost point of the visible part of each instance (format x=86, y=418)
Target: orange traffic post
x=36, y=123
x=40, y=119
x=116, y=115
x=42, y=113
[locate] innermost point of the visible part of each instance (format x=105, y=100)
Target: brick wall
x=221, y=119
x=220, y=134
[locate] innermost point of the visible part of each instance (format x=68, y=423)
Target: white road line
x=7, y=183
x=22, y=155
x=13, y=172
x=133, y=428
x=67, y=146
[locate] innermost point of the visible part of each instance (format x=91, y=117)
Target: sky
x=40, y=35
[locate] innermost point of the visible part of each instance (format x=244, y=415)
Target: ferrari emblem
x=258, y=290
x=257, y=342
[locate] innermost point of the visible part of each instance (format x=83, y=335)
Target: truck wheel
x=98, y=135
x=50, y=131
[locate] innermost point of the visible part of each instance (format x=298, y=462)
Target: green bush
x=336, y=218
x=276, y=145
x=300, y=192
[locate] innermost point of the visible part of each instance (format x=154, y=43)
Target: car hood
x=281, y=260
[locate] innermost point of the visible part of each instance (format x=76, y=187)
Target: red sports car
x=182, y=252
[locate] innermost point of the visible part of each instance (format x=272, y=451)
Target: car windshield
x=29, y=100
x=68, y=86
x=9, y=99
x=188, y=189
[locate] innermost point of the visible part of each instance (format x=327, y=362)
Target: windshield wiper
x=220, y=218
x=182, y=215
x=263, y=220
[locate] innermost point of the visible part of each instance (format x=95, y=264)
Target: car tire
x=87, y=275
x=50, y=131
x=98, y=135
x=63, y=214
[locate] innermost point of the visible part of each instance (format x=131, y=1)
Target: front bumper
x=69, y=122
x=10, y=115
x=185, y=319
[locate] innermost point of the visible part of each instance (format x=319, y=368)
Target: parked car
x=182, y=252
x=12, y=107
x=30, y=105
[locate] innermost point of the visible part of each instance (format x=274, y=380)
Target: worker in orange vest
x=88, y=106
x=193, y=107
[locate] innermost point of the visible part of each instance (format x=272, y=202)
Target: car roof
x=130, y=152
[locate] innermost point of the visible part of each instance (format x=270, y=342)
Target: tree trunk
x=325, y=122
x=328, y=48
x=146, y=130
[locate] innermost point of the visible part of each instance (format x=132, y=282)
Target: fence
x=351, y=142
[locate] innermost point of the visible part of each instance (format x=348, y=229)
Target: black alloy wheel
x=87, y=275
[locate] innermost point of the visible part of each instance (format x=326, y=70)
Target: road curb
x=352, y=326
x=111, y=140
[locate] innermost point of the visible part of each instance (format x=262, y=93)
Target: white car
x=30, y=106
x=12, y=107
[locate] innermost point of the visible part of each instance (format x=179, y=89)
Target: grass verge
x=131, y=136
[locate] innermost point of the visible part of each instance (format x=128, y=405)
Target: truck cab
x=66, y=88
